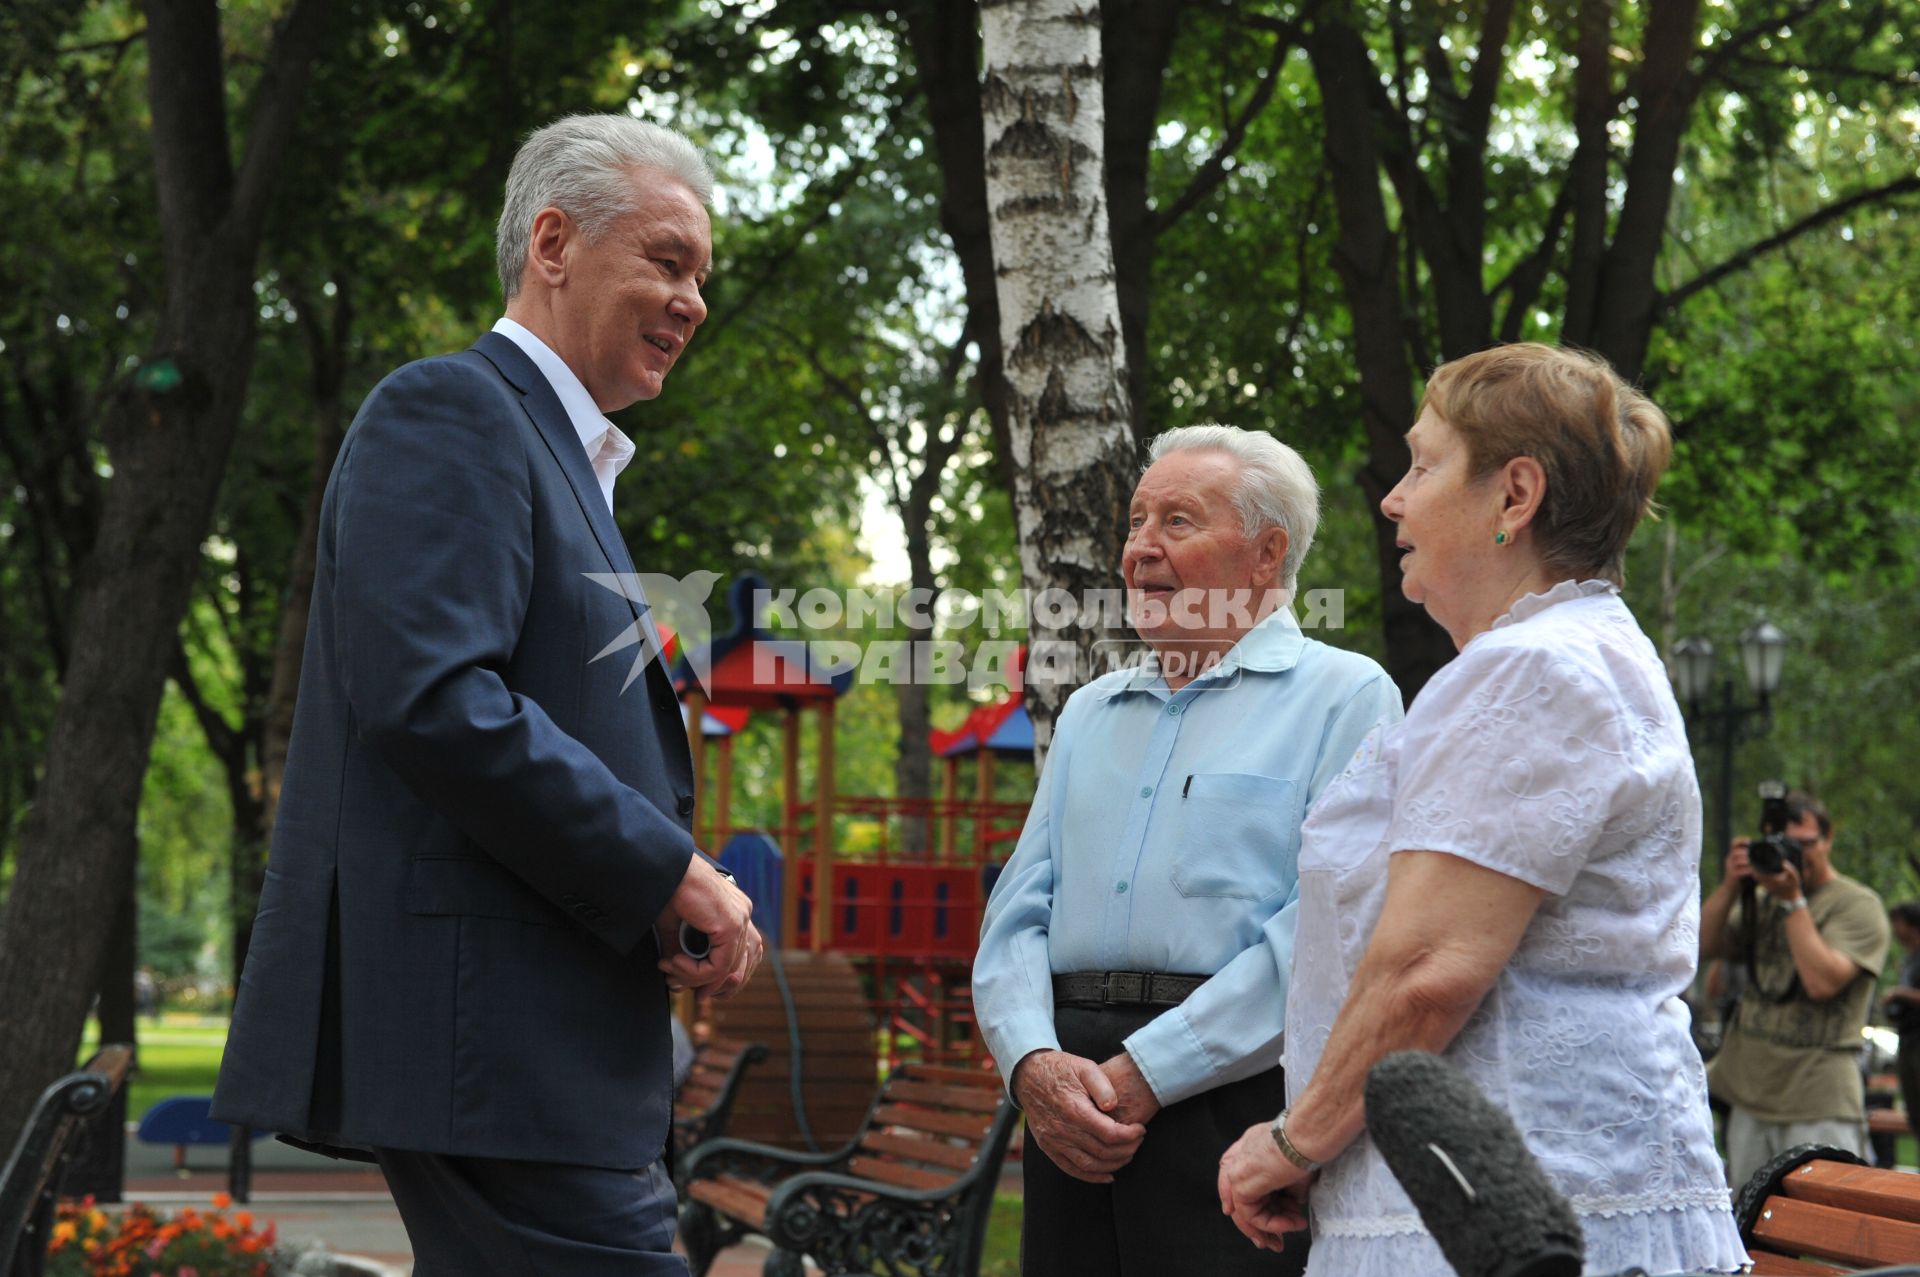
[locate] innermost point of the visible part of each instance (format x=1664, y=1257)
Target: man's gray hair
x=1276, y=487
x=583, y=166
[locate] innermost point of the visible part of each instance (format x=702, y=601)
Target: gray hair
x=1276, y=487
x=583, y=166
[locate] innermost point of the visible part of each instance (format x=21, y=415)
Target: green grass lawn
x=178, y=1056
x=1000, y=1255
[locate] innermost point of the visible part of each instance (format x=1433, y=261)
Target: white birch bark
x=1070, y=422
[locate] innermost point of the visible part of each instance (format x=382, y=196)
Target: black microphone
x=694, y=942
x=1478, y=1189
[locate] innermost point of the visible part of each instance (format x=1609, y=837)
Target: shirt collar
x=1531, y=605
x=1271, y=647
x=597, y=434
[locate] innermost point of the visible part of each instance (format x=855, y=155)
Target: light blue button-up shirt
x=1163, y=837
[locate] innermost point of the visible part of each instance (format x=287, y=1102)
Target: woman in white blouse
x=1510, y=876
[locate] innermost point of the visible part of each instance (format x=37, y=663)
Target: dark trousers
x=1161, y=1215
x=491, y=1217
x=1908, y=1064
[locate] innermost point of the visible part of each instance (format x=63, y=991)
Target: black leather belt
x=1124, y=988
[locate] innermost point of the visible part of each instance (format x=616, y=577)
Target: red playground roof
x=752, y=669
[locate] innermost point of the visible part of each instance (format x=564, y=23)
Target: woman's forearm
x=1446, y=930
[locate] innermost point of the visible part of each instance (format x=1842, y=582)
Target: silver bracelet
x=1286, y=1146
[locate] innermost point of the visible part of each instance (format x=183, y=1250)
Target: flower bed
x=138, y=1241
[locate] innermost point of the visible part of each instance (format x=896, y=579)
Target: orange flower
x=222, y=1200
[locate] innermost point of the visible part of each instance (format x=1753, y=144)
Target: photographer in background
x=1903, y=1006
x=1813, y=941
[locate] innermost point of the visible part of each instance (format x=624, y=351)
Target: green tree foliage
x=842, y=354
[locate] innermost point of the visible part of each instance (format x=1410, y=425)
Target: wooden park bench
x=908, y=1195
x=704, y=1103
x=30, y=1182
x=1815, y=1211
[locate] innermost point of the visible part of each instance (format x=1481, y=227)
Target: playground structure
x=906, y=919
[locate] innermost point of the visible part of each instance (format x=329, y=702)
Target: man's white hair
x=1276, y=487
x=583, y=165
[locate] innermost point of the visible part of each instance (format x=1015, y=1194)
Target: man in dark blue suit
x=482, y=857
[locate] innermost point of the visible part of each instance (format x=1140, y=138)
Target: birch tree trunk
x=1070, y=423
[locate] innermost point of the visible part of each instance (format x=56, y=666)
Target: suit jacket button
x=685, y=805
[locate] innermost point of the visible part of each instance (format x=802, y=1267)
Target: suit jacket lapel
x=551, y=419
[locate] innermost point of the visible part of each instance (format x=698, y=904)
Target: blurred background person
x=1903, y=1006
x=1789, y=1064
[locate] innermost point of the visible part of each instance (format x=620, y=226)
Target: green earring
x=1500, y=538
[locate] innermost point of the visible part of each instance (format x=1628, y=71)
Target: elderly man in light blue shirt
x=1133, y=965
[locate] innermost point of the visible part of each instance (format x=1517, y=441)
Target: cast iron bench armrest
x=1817, y=1210
x=30, y=1181
x=694, y=1122
x=716, y=1157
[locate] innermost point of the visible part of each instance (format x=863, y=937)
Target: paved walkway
x=313, y=1200
x=342, y=1206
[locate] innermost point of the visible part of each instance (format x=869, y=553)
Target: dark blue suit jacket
x=453, y=951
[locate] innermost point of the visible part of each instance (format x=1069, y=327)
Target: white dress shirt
x=607, y=448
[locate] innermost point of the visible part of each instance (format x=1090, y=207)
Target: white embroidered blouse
x=1550, y=750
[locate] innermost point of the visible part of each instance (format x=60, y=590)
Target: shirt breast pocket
x=1238, y=836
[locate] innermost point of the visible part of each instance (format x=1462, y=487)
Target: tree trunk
x=945, y=38
x=1365, y=255
x=1137, y=42
x=327, y=345
x=168, y=440
x=913, y=768
x=913, y=764
x=118, y=1008
x=1627, y=306
x=1071, y=426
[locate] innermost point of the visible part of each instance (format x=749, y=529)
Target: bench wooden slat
x=1824, y=1232
x=744, y=1199
x=1868, y=1190
x=971, y=1099
x=1887, y=1122
x=698, y=1098
x=965, y=1125
x=954, y=1075
x=1765, y=1265
x=886, y=1172
x=920, y=1149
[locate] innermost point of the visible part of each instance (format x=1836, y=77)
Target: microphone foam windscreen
x=1478, y=1189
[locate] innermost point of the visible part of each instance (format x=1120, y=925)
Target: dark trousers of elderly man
x=1161, y=1215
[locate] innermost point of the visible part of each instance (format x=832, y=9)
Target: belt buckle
x=1124, y=987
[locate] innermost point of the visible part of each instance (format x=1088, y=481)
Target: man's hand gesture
x=1067, y=1099
x=710, y=903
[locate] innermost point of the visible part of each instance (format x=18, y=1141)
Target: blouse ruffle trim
x=1531, y=605
x=1601, y=1207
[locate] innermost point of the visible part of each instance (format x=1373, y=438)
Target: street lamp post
x=1763, y=650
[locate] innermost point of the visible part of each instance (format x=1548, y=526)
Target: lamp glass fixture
x=1763, y=651
x=1692, y=668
